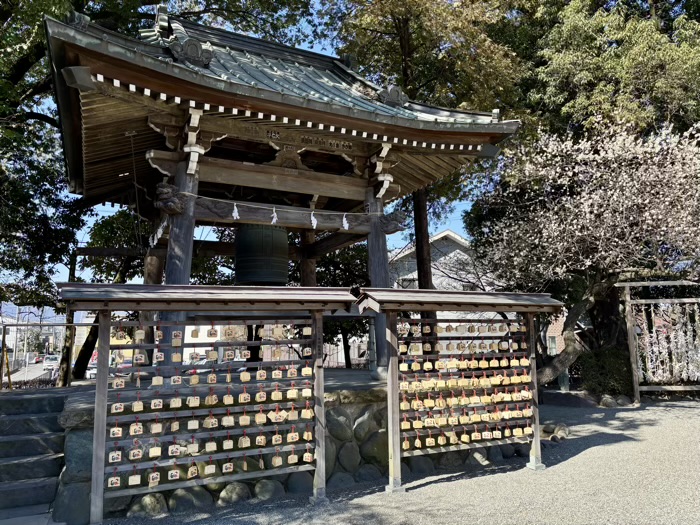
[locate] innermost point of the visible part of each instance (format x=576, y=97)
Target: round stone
x=368, y=472
x=421, y=465
x=190, y=499
x=495, y=455
x=147, y=506
x=267, y=489
x=300, y=483
x=339, y=424
x=234, y=492
x=478, y=457
x=340, y=480
x=375, y=449
x=349, y=456
x=507, y=450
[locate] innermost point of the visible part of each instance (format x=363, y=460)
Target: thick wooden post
x=3, y=349
x=152, y=274
x=319, y=495
x=307, y=266
x=392, y=399
x=632, y=344
x=100, y=425
x=178, y=263
x=535, y=462
x=179, y=259
x=378, y=266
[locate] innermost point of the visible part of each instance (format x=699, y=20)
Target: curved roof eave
x=133, y=51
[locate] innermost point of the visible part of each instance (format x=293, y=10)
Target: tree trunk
x=420, y=223
x=423, y=258
x=69, y=339
x=345, y=336
x=83, y=359
x=88, y=347
x=572, y=347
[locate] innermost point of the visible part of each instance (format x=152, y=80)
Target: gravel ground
x=619, y=466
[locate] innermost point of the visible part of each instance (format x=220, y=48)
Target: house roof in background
x=449, y=234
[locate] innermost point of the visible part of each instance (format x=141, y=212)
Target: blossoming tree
x=573, y=217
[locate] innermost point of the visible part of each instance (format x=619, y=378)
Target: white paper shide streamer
x=346, y=226
x=314, y=222
x=274, y=216
x=235, y=215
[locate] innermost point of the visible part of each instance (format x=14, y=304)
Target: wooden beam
x=234, y=173
x=656, y=283
x=221, y=212
x=331, y=243
x=670, y=388
x=94, y=251
x=201, y=248
x=268, y=133
x=281, y=179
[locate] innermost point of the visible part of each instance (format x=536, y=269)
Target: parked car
x=39, y=358
x=91, y=372
x=50, y=362
x=201, y=367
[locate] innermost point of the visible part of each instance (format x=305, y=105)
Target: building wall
x=450, y=262
x=555, y=339
x=10, y=332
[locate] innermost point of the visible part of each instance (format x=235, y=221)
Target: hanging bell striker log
x=262, y=255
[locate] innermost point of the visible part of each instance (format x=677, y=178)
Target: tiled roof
x=255, y=63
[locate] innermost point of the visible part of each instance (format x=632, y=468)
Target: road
x=31, y=372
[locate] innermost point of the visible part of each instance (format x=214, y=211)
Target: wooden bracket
x=164, y=161
x=289, y=157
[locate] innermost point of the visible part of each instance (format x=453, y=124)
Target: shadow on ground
x=590, y=427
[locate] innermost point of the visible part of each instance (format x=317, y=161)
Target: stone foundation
x=357, y=451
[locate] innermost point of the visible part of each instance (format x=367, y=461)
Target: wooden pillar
x=178, y=262
x=378, y=266
x=392, y=392
x=179, y=258
x=100, y=425
x=307, y=266
x=153, y=269
x=3, y=350
x=153, y=266
x=535, y=462
x=319, y=494
x=632, y=344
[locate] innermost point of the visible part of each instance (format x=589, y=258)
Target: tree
x=38, y=219
x=345, y=268
x=576, y=216
x=633, y=62
x=438, y=52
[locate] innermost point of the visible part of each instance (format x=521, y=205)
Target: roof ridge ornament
x=158, y=34
x=191, y=50
x=393, y=96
